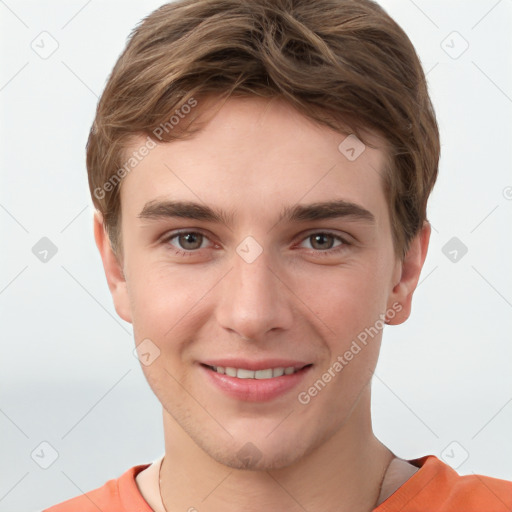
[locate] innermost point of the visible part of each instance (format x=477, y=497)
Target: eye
x=322, y=242
x=186, y=243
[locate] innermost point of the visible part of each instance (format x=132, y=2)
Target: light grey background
x=68, y=374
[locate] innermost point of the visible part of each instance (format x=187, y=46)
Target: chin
x=252, y=459
x=257, y=453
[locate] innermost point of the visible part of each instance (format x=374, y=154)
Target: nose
x=254, y=298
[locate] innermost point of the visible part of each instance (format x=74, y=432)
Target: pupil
x=319, y=237
x=190, y=238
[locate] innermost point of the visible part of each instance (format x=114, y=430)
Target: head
x=305, y=136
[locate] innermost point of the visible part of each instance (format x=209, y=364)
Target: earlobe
x=113, y=269
x=410, y=273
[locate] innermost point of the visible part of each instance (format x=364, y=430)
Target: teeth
x=277, y=372
x=242, y=373
x=263, y=374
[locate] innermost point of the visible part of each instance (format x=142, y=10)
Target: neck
x=343, y=474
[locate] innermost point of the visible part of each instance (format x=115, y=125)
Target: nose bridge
x=253, y=298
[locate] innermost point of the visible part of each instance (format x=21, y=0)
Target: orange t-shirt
x=435, y=487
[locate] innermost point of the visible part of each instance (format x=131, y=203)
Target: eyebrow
x=154, y=210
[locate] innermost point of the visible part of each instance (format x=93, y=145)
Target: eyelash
x=326, y=252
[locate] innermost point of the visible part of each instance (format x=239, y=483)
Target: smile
x=265, y=381
x=243, y=373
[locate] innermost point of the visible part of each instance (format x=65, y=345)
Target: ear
x=113, y=270
x=407, y=276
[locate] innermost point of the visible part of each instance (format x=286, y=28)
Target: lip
x=254, y=390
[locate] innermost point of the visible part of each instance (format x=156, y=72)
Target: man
x=261, y=171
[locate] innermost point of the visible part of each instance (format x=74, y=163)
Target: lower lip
x=255, y=390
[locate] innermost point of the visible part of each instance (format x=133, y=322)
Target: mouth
x=262, y=382
x=266, y=373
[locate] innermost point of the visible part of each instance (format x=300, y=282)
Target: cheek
x=349, y=304
x=163, y=310
x=346, y=299
x=168, y=303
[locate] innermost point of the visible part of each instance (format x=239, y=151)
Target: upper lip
x=250, y=364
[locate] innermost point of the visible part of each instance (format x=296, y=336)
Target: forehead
x=262, y=152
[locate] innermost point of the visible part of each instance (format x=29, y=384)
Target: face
x=256, y=249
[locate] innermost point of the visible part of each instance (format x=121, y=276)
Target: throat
x=149, y=486
x=397, y=473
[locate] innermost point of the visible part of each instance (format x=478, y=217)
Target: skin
x=253, y=157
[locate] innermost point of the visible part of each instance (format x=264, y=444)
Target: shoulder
x=478, y=493
x=114, y=496
x=436, y=486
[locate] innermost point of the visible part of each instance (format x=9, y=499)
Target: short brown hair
x=345, y=64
